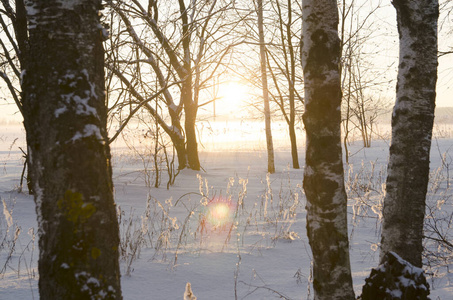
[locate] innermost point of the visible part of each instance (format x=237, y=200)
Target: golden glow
x=232, y=97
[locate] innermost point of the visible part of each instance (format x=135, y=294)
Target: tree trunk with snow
x=323, y=176
x=65, y=116
x=267, y=113
x=412, y=123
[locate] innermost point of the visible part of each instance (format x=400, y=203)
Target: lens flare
x=218, y=213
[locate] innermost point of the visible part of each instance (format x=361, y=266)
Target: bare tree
x=14, y=56
x=281, y=22
x=284, y=68
x=182, y=46
x=360, y=79
x=65, y=119
x=445, y=26
x=324, y=176
x=14, y=46
x=267, y=113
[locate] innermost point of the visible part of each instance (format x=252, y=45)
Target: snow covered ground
x=231, y=231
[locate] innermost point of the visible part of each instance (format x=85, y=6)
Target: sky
x=383, y=45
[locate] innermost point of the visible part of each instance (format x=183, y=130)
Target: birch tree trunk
x=65, y=116
x=267, y=113
x=323, y=176
x=412, y=123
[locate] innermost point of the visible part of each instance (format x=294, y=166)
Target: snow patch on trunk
x=89, y=130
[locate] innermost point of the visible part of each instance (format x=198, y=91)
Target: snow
x=60, y=111
x=80, y=102
x=105, y=31
x=64, y=266
x=38, y=200
x=31, y=8
x=22, y=74
x=246, y=254
x=88, y=130
x=69, y=5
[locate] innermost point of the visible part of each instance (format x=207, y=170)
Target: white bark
x=412, y=122
x=324, y=176
x=65, y=120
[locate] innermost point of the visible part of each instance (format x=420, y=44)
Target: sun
x=232, y=98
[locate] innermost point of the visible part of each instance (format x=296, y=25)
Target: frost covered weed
x=184, y=235
x=365, y=187
x=147, y=230
x=15, y=256
x=218, y=214
x=9, y=234
x=279, y=211
x=166, y=227
x=131, y=238
x=215, y=222
x=267, y=219
x=252, y=288
x=144, y=156
x=443, y=130
x=188, y=294
x=438, y=243
x=10, y=149
x=156, y=229
x=152, y=154
x=439, y=236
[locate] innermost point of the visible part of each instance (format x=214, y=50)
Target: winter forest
x=226, y=149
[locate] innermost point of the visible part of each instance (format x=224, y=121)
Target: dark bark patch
x=320, y=56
